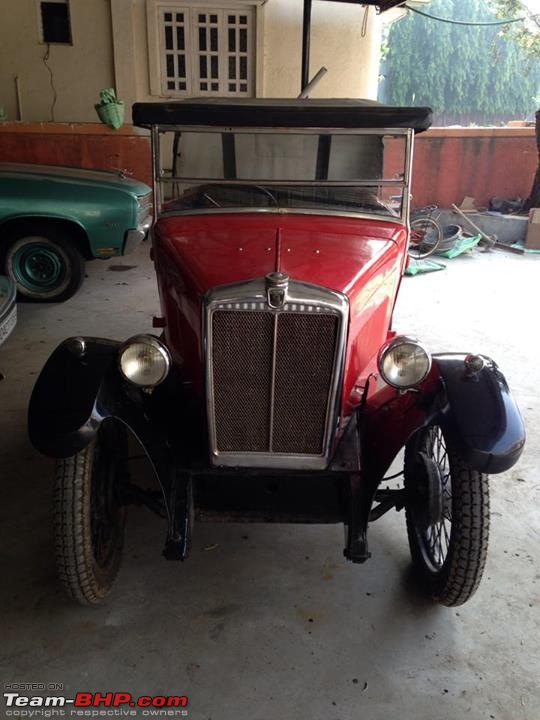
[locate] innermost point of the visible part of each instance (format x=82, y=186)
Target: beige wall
x=336, y=42
x=80, y=71
x=91, y=64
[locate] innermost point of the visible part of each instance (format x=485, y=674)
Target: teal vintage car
x=53, y=219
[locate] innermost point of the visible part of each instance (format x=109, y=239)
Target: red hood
x=333, y=252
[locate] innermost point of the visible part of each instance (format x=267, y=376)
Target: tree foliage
x=466, y=74
x=526, y=34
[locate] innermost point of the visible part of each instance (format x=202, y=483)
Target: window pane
x=243, y=20
x=202, y=67
x=232, y=40
x=170, y=65
x=55, y=22
x=213, y=40
x=202, y=38
x=215, y=86
x=202, y=18
x=243, y=40
x=232, y=68
x=243, y=87
x=204, y=86
x=180, y=40
x=213, y=18
x=243, y=67
x=170, y=85
x=181, y=66
x=214, y=66
x=232, y=20
x=168, y=17
x=168, y=37
x=232, y=87
x=182, y=86
x=180, y=17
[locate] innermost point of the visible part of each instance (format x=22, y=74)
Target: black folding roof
x=294, y=113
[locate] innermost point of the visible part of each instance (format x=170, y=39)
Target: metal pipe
x=491, y=239
x=306, y=36
x=313, y=82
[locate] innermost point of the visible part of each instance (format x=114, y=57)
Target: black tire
x=452, y=575
x=44, y=262
x=426, y=237
x=89, y=517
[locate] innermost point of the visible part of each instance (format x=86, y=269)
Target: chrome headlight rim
x=154, y=342
x=392, y=345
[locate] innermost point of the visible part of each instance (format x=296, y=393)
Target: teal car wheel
x=46, y=269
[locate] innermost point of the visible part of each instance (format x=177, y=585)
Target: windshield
x=344, y=171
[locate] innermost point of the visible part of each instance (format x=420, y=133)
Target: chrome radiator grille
x=272, y=378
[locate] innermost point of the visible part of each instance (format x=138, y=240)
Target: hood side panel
x=361, y=258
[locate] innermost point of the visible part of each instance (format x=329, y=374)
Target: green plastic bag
x=416, y=267
x=462, y=245
x=110, y=110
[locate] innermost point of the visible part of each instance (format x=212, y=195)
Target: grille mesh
x=242, y=370
x=243, y=348
x=304, y=365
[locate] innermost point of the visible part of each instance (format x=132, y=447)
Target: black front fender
x=481, y=415
x=77, y=390
x=72, y=397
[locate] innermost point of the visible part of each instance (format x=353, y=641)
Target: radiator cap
x=276, y=289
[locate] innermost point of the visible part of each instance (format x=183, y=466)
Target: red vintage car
x=277, y=390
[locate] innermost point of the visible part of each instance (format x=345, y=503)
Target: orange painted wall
x=449, y=163
x=88, y=145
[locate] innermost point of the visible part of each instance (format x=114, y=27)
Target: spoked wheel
x=426, y=237
x=89, y=516
x=447, y=511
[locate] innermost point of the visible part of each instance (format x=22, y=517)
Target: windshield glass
x=347, y=171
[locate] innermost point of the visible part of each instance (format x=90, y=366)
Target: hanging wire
x=471, y=22
x=51, y=80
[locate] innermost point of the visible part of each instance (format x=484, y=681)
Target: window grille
x=207, y=51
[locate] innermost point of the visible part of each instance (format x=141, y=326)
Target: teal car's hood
x=59, y=173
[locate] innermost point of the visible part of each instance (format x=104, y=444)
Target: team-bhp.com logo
x=119, y=701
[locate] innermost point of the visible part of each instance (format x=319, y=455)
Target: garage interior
x=270, y=620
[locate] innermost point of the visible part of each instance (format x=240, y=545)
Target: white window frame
x=154, y=10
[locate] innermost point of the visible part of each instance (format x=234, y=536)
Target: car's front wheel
x=46, y=266
x=90, y=517
x=447, y=512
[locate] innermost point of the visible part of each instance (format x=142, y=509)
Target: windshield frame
x=160, y=179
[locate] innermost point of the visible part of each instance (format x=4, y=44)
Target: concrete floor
x=270, y=621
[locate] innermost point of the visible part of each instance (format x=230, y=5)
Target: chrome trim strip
x=273, y=381
x=250, y=182
x=300, y=297
x=163, y=128
x=395, y=219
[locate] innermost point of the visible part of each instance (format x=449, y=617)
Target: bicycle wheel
x=426, y=236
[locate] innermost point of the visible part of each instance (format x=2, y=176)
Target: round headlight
x=404, y=363
x=144, y=361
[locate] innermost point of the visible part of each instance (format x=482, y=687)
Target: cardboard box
x=532, y=240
